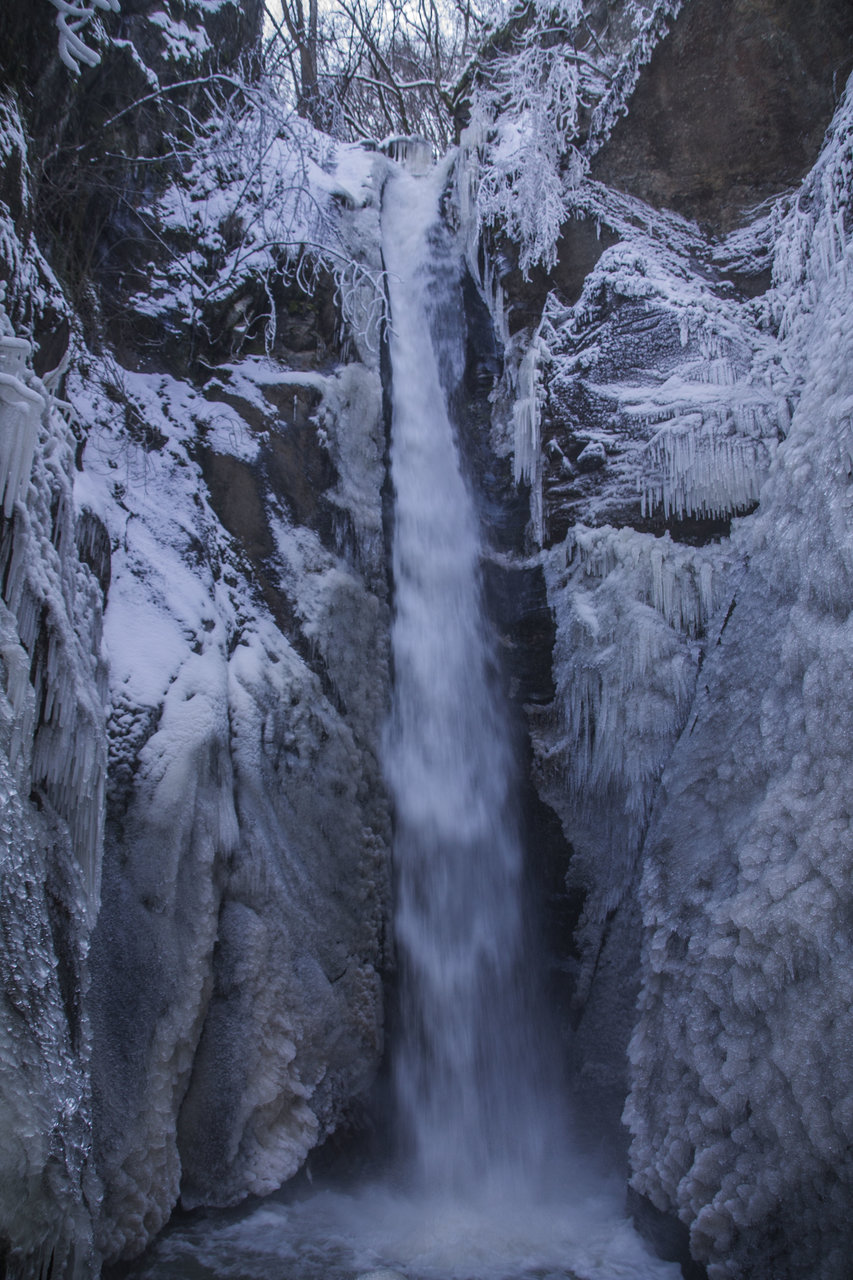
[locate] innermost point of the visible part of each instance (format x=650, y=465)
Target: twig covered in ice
x=71, y=19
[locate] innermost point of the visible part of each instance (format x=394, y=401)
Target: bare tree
x=366, y=68
x=295, y=41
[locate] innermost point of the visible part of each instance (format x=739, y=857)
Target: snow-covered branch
x=71, y=19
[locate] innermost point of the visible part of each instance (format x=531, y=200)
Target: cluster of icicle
x=815, y=229
x=523, y=353
x=741, y=1104
x=52, y=772
x=414, y=152
x=715, y=441
x=21, y=409
x=631, y=609
x=696, y=470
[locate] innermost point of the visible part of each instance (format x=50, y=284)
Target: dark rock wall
x=732, y=108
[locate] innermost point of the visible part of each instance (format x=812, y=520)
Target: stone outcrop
x=731, y=109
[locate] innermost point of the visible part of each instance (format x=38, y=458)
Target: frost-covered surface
x=227, y=512
x=741, y=1103
x=234, y=964
x=544, y=100
x=236, y=996
x=72, y=18
x=710, y=655
x=52, y=774
x=643, y=417
x=264, y=201
x=228, y=508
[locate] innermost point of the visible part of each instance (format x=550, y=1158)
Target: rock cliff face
x=226, y=462
x=689, y=391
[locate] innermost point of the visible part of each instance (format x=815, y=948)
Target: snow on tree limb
x=71, y=18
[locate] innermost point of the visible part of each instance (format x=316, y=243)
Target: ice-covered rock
x=236, y=998
x=52, y=777
x=740, y=1103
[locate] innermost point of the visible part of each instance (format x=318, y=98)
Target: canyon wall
x=686, y=359
x=195, y=619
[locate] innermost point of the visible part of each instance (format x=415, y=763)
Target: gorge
x=491, y=507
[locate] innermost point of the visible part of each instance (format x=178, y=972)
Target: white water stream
x=468, y=1078
x=486, y=1186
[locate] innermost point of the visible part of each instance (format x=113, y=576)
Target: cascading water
x=488, y=1187
x=468, y=1086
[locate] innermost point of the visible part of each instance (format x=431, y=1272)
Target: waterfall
x=488, y=1184
x=469, y=1092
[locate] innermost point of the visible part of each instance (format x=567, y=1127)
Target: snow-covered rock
x=226, y=520
x=740, y=1106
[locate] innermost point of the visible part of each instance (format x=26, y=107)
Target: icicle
x=527, y=452
x=467, y=176
x=628, y=607
x=21, y=411
x=415, y=153
x=703, y=472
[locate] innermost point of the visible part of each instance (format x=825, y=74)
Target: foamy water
x=337, y=1236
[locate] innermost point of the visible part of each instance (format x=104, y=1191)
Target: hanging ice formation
x=21, y=409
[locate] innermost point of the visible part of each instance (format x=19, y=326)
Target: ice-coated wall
x=684, y=425
x=52, y=776
x=236, y=998
x=194, y=664
x=740, y=1106
x=236, y=995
